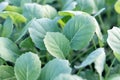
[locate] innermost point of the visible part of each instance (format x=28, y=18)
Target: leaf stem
x=107, y=74
x=94, y=44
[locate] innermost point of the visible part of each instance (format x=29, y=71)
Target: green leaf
x=113, y=40
x=38, y=29
x=57, y=44
x=8, y=50
x=7, y=28
x=27, y=67
x=3, y=5
x=94, y=57
x=13, y=9
x=89, y=74
x=114, y=77
x=27, y=43
x=67, y=77
x=117, y=6
x=7, y=73
x=34, y=10
x=86, y=6
x=80, y=30
x=54, y=68
x=16, y=17
x=74, y=13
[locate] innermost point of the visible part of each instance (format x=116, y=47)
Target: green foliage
x=45, y=39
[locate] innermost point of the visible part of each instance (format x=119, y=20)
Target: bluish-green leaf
x=86, y=6
x=7, y=73
x=67, y=77
x=80, y=30
x=94, y=57
x=38, y=29
x=113, y=41
x=7, y=28
x=74, y=13
x=34, y=10
x=8, y=50
x=57, y=44
x=27, y=67
x=54, y=68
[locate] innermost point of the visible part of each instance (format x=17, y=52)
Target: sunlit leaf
x=57, y=44
x=16, y=17
x=3, y=5
x=94, y=57
x=27, y=67
x=99, y=63
x=117, y=6
x=113, y=41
